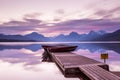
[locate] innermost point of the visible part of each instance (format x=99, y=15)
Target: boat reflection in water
x=25, y=62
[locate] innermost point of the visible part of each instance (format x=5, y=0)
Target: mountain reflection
x=34, y=54
x=21, y=56
x=92, y=47
x=99, y=47
x=32, y=47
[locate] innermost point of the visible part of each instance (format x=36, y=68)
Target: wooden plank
x=102, y=71
x=74, y=60
x=64, y=54
x=116, y=73
x=91, y=75
x=95, y=72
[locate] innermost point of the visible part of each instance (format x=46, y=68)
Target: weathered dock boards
x=71, y=59
x=71, y=63
x=116, y=73
x=95, y=72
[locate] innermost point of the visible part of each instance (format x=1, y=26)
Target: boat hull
x=59, y=48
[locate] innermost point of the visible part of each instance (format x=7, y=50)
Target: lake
x=24, y=60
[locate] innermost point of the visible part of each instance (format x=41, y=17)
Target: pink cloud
x=79, y=25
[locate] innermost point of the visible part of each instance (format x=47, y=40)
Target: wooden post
x=104, y=60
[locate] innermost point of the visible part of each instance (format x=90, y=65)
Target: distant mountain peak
x=34, y=33
x=73, y=33
x=117, y=32
x=100, y=32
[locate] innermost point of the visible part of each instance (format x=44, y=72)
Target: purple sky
x=53, y=17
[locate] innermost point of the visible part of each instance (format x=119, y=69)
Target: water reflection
x=43, y=71
x=94, y=51
x=99, y=47
x=32, y=47
x=92, y=47
x=26, y=60
x=46, y=57
x=21, y=56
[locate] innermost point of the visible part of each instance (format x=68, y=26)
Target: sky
x=54, y=17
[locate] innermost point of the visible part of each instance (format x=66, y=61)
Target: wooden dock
x=73, y=64
x=95, y=72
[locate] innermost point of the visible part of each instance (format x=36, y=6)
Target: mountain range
x=73, y=36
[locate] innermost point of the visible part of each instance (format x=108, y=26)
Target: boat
x=59, y=48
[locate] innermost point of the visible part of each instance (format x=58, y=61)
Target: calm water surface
x=23, y=61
